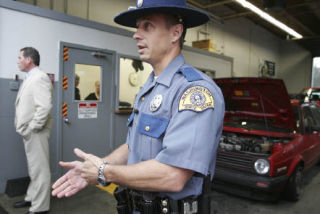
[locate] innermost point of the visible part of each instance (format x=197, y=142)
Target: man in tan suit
x=33, y=123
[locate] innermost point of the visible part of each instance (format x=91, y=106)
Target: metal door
x=86, y=112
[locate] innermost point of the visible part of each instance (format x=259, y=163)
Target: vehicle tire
x=294, y=189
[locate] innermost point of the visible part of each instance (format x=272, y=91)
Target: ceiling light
x=269, y=18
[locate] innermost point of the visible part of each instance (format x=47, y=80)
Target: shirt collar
x=167, y=74
x=29, y=73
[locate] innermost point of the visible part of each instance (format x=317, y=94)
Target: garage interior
x=234, y=32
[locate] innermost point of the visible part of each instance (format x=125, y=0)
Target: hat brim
x=191, y=17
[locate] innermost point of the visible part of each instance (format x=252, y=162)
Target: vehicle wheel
x=294, y=188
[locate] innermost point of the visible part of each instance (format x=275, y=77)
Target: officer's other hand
x=90, y=166
x=71, y=182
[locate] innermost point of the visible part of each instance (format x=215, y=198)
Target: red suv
x=267, y=142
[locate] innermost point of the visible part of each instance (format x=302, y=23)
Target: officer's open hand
x=90, y=167
x=70, y=183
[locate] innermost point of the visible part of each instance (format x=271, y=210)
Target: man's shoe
x=43, y=212
x=21, y=204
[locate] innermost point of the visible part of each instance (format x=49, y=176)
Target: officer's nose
x=137, y=35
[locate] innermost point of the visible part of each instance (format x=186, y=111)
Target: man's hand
x=70, y=183
x=80, y=175
x=90, y=167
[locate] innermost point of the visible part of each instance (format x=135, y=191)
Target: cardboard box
x=206, y=44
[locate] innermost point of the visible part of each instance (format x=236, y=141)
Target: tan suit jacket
x=34, y=103
x=33, y=122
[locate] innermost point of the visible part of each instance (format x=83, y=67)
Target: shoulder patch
x=191, y=74
x=196, y=98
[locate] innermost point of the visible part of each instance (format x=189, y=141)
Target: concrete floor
x=309, y=203
x=93, y=200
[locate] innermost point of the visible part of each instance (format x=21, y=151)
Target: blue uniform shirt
x=177, y=120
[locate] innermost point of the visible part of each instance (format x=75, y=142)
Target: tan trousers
x=37, y=151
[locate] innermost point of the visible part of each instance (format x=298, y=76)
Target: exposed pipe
x=194, y=4
x=236, y=15
x=218, y=4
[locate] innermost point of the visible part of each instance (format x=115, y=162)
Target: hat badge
x=139, y=3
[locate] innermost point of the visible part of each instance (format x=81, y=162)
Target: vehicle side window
x=296, y=119
x=316, y=114
x=308, y=119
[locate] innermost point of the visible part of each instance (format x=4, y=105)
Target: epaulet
x=190, y=74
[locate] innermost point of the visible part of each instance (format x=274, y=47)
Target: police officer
x=174, y=128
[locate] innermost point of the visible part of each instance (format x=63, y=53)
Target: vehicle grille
x=236, y=160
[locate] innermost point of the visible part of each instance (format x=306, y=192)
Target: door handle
x=66, y=120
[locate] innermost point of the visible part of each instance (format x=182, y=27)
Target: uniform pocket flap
x=152, y=126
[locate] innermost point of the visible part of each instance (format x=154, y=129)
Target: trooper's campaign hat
x=191, y=17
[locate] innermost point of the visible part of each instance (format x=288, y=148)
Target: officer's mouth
x=141, y=48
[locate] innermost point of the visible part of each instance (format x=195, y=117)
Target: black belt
x=144, y=206
x=163, y=205
x=129, y=200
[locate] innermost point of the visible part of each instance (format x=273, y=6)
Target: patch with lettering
x=197, y=99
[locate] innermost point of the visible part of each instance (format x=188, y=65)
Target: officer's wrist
x=101, y=178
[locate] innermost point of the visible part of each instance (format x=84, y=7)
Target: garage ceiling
x=301, y=15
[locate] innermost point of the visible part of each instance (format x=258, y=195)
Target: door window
x=87, y=82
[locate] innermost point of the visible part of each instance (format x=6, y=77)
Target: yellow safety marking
x=65, y=54
x=110, y=188
x=64, y=109
x=238, y=93
x=65, y=83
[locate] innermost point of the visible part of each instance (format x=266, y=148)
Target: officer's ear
x=176, y=31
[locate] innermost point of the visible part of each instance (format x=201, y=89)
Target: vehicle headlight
x=262, y=166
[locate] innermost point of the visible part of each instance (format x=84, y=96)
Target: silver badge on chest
x=156, y=102
x=139, y=3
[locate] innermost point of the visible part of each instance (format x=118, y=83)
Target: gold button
x=147, y=128
x=142, y=98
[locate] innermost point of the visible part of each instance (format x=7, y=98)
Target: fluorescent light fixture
x=269, y=18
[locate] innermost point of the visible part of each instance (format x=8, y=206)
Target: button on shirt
x=186, y=139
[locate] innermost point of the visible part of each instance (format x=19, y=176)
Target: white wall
x=247, y=43
x=18, y=30
x=221, y=67
x=295, y=66
x=240, y=39
x=244, y=41
x=21, y=29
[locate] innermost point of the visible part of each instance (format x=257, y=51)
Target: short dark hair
x=174, y=19
x=32, y=53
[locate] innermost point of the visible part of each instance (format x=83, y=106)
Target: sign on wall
x=267, y=69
